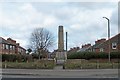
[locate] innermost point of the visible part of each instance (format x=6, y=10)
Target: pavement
x=58, y=72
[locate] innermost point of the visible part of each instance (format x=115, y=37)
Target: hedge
x=93, y=55
x=16, y=57
x=20, y=58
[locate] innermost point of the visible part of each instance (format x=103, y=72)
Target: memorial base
x=61, y=57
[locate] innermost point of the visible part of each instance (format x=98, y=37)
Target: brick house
x=85, y=47
x=10, y=46
x=102, y=45
x=73, y=50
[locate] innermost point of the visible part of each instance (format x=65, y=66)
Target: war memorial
x=61, y=55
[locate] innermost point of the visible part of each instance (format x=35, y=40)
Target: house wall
x=0, y=48
x=7, y=51
x=13, y=47
x=97, y=50
x=105, y=45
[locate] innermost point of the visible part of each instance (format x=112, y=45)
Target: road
x=59, y=73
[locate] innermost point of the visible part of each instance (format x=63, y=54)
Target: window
x=101, y=49
x=13, y=47
x=114, y=45
x=10, y=47
x=3, y=46
x=7, y=46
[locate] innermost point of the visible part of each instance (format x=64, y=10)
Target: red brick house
x=85, y=47
x=102, y=45
x=10, y=46
x=73, y=50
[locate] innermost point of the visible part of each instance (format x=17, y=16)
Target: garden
x=92, y=60
x=26, y=62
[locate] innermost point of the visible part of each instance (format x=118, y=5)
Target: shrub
x=115, y=55
x=92, y=55
x=8, y=57
x=35, y=56
x=16, y=57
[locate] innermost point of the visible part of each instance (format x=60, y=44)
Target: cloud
x=59, y=0
x=82, y=21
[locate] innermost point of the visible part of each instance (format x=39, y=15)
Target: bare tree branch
x=41, y=40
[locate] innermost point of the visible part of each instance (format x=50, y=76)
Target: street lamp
x=66, y=40
x=108, y=36
x=66, y=45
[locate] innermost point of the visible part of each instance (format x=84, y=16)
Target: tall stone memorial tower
x=61, y=53
x=60, y=39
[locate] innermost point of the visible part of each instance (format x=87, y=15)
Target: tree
x=41, y=40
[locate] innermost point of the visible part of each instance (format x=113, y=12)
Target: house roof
x=2, y=40
x=84, y=49
x=106, y=42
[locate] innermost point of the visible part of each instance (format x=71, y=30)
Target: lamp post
x=66, y=41
x=108, y=37
x=66, y=45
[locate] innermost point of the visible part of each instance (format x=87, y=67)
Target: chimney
x=82, y=46
x=70, y=48
x=18, y=44
x=86, y=45
x=78, y=48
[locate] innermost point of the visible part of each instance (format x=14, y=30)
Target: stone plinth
x=61, y=57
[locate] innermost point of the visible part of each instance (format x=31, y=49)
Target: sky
x=83, y=21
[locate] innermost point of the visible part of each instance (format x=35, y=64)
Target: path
x=58, y=67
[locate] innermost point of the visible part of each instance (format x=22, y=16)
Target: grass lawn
x=86, y=64
x=42, y=64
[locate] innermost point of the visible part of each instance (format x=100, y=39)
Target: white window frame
x=7, y=46
x=3, y=46
x=11, y=48
x=101, y=50
x=114, y=44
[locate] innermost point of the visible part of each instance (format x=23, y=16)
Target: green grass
x=86, y=64
x=69, y=64
x=42, y=64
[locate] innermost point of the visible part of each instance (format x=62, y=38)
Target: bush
x=35, y=56
x=16, y=57
x=9, y=57
x=115, y=55
x=93, y=55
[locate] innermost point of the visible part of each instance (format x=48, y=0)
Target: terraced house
x=10, y=46
x=102, y=45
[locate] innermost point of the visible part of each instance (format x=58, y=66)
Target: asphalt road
x=59, y=73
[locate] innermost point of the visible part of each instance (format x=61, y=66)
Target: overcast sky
x=82, y=20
